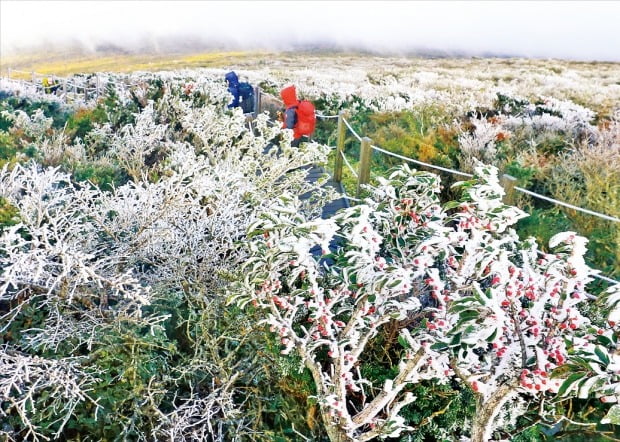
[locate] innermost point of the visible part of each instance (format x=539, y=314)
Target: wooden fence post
x=363, y=173
x=97, y=87
x=9, y=73
x=340, y=146
x=508, y=183
x=257, y=101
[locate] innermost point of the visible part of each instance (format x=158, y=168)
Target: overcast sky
x=577, y=30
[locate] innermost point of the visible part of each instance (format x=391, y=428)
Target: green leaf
x=570, y=381
x=491, y=338
x=403, y=342
x=439, y=346
x=612, y=416
x=394, y=283
x=456, y=339
x=488, y=293
x=604, y=340
x=451, y=205
x=601, y=355
x=467, y=315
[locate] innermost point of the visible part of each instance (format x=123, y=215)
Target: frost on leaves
x=491, y=311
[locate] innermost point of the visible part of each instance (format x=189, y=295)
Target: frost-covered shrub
x=52, y=387
x=34, y=126
x=493, y=314
x=118, y=273
x=131, y=276
x=480, y=144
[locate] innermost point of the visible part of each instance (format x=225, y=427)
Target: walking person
x=299, y=115
x=242, y=92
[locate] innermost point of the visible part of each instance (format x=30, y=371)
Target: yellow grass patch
x=67, y=63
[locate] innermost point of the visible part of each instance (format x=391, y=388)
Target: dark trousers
x=247, y=104
x=297, y=141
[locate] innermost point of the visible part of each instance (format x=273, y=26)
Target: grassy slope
x=70, y=61
x=66, y=63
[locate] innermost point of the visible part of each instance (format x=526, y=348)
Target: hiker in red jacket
x=299, y=115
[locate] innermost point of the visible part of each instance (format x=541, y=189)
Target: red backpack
x=306, y=118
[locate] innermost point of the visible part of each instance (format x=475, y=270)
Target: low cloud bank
x=570, y=30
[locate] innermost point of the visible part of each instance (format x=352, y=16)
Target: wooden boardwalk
x=316, y=172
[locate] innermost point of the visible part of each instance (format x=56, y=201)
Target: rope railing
x=326, y=117
x=570, y=206
x=345, y=195
x=344, y=158
x=361, y=177
x=60, y=89
x=62, y=85
x=351, y=129
x=457, y=172
x=66, y=84
x=364, y=178
x=605, y=278
x=411, y=160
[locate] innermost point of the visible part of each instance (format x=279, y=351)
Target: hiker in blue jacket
x=242, y=92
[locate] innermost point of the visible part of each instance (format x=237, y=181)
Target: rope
x=21, y=72
x=58, y=78
x=110, y=81
x=15, y=80
x=62, y=83
x=456, y=172
x=344, y=195
x=68, y=84
x=594, y=275
x=605, y=278
x=570, y=206
x=352, y=131
x=348, y=164
x=357, y=200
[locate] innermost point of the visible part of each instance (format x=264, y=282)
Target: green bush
x=9, y=215
x=117, y=114
x=51, y=109
x=8, y=147
x=103, y=176
x=84, y=120
x=525, y=175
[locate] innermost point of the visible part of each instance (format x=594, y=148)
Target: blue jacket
x=233, y=88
